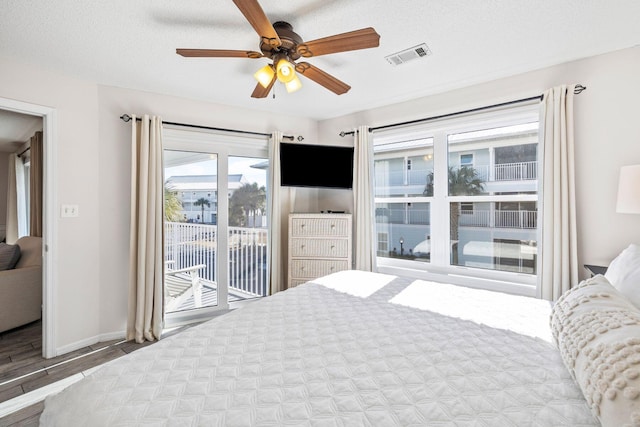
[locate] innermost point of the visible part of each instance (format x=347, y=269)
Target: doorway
x=48, y=117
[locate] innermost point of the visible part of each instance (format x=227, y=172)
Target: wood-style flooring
x=23, y=369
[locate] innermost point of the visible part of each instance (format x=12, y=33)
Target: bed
x=349, y=349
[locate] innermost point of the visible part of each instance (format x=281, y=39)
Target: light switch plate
x=69, y=211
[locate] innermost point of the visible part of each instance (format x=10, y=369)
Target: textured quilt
x=350, y=349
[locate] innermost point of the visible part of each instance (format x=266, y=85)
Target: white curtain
x=17, y=222
x=559, y=264
x=146, y=258
x=21, y=198
x=277, y=258
x=363, y=204
x=12, y=201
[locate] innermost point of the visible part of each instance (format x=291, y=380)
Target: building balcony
x=520, y=171
x=518, y=219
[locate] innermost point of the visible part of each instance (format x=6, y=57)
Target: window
x=466, y=208
x=469, y=196
x=466, y=160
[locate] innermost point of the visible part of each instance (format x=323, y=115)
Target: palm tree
x=462, y=182
x=246, y=201
x=202, y=202
x=172, y=205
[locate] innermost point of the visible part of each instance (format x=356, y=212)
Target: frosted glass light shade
x=293, y=85
x=629, y=190
x=285, y=71
x=264, y=76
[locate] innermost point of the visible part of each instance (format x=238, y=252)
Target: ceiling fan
x=283, y=46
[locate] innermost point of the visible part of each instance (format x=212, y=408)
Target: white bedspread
x=347, y=351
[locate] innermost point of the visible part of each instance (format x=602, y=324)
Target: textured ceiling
x=132, y=44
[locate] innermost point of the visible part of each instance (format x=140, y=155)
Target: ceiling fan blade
x=218, y=53
x=353, y=40
x=262, y=92
x=255, y=15
x=317, y=75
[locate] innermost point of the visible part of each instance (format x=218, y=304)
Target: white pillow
x=624, y=273
x=598, y=333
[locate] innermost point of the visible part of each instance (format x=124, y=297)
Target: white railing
x=520, y=171
x=402, y=216
x=501, y=219
x=515, y=171
x=188, y=244
x=248, y=260
x=476, y=218
x=516, y=219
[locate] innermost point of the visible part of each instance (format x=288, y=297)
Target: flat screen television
x=324, y=166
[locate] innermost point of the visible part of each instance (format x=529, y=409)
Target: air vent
x=416, y=52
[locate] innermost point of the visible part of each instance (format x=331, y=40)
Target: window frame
x=519, y=283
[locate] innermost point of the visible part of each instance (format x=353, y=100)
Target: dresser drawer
x=328, y=227
x=296, y=282
x=321, y=248
x=312, y=269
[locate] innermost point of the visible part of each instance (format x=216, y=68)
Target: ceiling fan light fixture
x=264, y=75
x=285, y=70
x=293, y=85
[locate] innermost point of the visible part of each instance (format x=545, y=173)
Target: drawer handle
x=301, y=246
x=333, y=226
x=332, y=268
x=302, y=226
x=302, y=268
x=333, y=247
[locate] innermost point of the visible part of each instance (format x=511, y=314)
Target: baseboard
x=89, y=341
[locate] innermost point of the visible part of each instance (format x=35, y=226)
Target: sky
x=237, y=165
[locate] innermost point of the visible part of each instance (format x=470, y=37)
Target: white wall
x=77, y=183
x=607, y=135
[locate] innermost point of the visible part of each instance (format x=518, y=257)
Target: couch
x=21, y=287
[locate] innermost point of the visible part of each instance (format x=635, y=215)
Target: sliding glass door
x=215, y=222
x=191, y=217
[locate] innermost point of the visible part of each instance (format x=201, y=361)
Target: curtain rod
x=127, y=118
x=577, y=90
x=24, y=151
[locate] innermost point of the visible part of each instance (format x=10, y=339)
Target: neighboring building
x=489, y=232
x=191, y=188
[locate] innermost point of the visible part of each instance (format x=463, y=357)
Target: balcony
x=519, y=219
x=190, y=247
x=501, y=219
x=520, y=171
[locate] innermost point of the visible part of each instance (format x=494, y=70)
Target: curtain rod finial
x=126, y=118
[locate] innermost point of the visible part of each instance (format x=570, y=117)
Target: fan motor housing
x=290, y=41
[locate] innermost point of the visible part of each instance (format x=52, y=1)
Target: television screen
x=306, y=165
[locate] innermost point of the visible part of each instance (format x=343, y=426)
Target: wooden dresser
x=319, y=244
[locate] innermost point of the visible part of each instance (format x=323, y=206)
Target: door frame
x=223, y=145
x=49, y=225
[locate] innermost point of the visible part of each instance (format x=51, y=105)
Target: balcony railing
x=515, y=171
x=477, y=218
x=501, y=219
x=519, y=171
x=188, y=244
